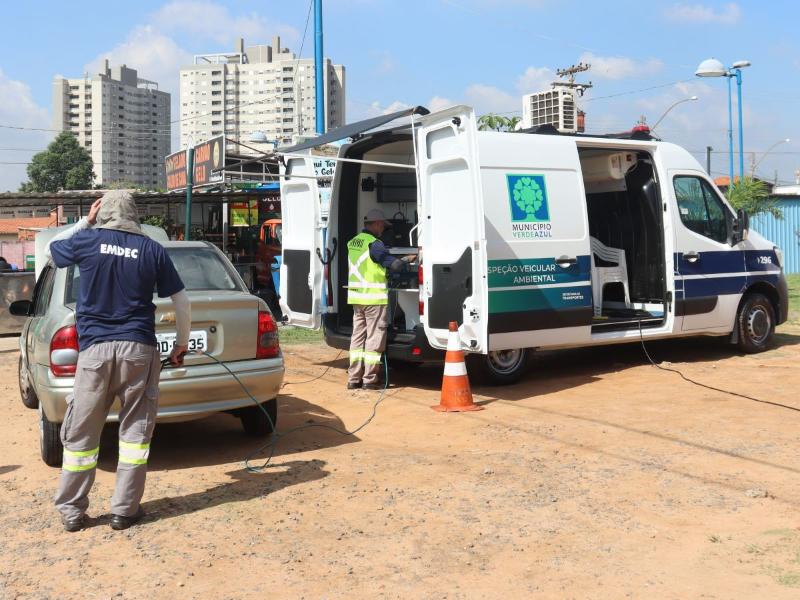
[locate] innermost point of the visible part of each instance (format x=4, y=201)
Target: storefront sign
x=244, y=214
x=209, y=161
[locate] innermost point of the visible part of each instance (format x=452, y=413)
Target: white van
x=528, y=241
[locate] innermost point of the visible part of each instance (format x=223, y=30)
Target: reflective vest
x=366, y=283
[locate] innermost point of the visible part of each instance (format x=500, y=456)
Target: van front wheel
x=501, y=367
x=756, y=324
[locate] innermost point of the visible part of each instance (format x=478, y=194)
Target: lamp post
x=187, y=226
x=673, y=105
x=711, y=67
x=770, y=149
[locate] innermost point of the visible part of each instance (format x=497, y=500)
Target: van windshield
x=200, y=269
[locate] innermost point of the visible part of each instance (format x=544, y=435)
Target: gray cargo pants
x=107, y=370
x=367, y=343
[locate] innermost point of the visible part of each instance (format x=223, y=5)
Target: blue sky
x=486, y=53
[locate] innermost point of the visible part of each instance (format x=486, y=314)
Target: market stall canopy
x=353, y=129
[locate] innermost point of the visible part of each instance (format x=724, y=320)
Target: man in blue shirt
x=120, y=269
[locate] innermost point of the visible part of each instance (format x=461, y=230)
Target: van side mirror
x=21, y=308
x=741, y=226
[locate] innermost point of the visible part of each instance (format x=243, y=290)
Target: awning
x=353, y=129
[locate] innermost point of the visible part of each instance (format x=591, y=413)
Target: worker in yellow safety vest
x=368, y=293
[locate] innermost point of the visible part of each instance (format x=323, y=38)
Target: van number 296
x=765, y=260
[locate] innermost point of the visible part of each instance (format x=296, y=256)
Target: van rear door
x=452, y=229
x=301, y=269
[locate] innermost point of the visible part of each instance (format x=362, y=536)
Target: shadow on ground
x=243, y=486
x=220, y=439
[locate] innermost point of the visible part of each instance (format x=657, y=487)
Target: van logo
x=527, y=196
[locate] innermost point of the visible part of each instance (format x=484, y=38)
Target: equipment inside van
x=527, y=240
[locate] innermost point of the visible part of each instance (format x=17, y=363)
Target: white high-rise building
x=122, y=120
x=258, y=89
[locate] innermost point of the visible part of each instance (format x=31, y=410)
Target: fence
x=784, y=233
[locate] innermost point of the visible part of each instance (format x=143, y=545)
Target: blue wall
x=783, y=233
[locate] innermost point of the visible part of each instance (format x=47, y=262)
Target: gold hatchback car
x=228, y=323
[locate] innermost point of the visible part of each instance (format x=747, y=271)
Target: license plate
x=198, y=342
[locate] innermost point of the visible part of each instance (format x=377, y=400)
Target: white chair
x=604, y=275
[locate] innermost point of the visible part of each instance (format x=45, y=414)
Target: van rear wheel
x=501, y=367
x=756, y=324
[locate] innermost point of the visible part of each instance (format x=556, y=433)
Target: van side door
x=710, y=273
x=537, y=235
x=301, y=268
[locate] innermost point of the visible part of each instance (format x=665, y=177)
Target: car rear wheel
x=255, y=420
x=756, y=323
x=50, y=440
x=29, y=398
x=501, y=367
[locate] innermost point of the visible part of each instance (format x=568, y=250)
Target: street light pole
x=673, y=105
x=319, y=72
x=770, y=149
x=730, y=134
x=189, y=184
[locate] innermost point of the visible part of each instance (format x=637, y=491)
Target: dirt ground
x=598, y=476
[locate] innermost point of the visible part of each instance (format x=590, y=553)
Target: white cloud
x=728, y=14
x=535, y=79
x=19, y=108
x=438, y=103
x=620, y=67
x=215, y=22
x=490, y=99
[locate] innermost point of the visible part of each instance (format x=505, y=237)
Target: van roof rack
x=624, y=135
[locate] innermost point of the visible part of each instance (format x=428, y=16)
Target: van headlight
x=778, y=255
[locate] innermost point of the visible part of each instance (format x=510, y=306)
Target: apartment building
x=255, y=90
x=121, y=119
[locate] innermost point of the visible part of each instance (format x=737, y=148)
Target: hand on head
x=94, y=210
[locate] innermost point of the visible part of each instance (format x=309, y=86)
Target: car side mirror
x=21, y=308
x=741, y=226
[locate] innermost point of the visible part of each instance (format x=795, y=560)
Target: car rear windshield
x=200, y=269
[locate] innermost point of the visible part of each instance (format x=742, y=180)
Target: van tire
x=755, y=324
x=26, y=391
x=502, y=367
x=255, y=422
x=50, y=441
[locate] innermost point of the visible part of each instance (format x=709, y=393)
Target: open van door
x=452, y=229
x=301, y=269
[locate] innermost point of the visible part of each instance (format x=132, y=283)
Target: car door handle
x=691, y=257
x=565, y=261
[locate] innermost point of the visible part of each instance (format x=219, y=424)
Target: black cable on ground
x=708, y=387
x=275, y=437
x=328, y=368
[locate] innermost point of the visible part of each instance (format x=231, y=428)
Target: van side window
x=700, y=208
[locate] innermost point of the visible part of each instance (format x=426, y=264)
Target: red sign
x=209, y=160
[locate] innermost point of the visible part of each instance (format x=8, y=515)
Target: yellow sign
x=244, y=213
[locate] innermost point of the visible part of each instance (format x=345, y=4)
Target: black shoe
x=353, y=385
x=372, y=386
x=118, y=522
x=73, y=524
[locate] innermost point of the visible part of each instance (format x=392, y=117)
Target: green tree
x=753, y=196
x=65, y=165
x=493, y=122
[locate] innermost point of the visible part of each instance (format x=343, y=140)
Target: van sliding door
x=452, y=229
x=301, y=269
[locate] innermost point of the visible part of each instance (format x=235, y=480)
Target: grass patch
x=794, y=297
x=297, y=335
x=790, y=579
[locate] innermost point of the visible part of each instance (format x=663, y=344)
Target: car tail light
x=420, y=281
x=267, y=345
x=64, y=352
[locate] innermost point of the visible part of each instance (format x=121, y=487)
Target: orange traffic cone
x=456, y=395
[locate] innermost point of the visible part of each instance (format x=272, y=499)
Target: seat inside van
x=627, y=235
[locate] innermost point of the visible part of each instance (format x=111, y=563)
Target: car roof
x=190, y=244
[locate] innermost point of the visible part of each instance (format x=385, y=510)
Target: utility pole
x=570, y=73
x=319, y=72
x=709, y=150
x=189, y=184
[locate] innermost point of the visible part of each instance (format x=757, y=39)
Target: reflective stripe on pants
x=105, y=371
x=368, y=342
